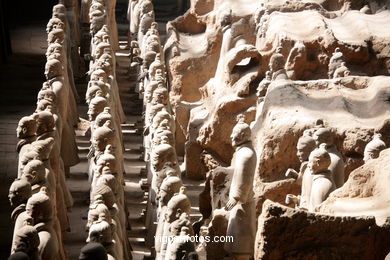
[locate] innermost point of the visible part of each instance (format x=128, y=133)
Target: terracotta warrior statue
x=322, y=182
x=155, y=65
x=263, y=85
x=262, y=91
x=177, y=205
x=146, y=18
x=324, y=135
x=335, y=62
x=170, y=185
x=241, y=205
x=96, y=106
x=374, y=147
x=276, y=65
x=39, y=207
x=162, y=154
x=109, y=199
x=67, y=111
x=19, y=193
x=181, y=246
x=93, y=89
x=26, y=132
x=306, y=144
x=26, y=239
x=101, y=137
x=104, y=229
x=36, y=174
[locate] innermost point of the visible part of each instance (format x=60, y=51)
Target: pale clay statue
x=26, y=132
x=177, y=205
x=26, y=239
x=322, y=182
x=39, y=207
x=374, y=147
x=276, y=65
x=335, y=61
x=324, y=135
x=306, y=144
x=241, y=205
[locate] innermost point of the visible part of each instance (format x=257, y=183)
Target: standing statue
x=306, y=144
x=26, y=240
x=26, y=132
x=19, y=193
x=241, y=204
x=322, y=182
x=96, y=105
x=177, y=205
x=262, y=91
x=324, y=135
x=335, y=62
x=104, y=229
x=40, y=208
x=146, y=18
x=276, y=65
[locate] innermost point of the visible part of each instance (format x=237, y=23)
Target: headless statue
x=374, y=147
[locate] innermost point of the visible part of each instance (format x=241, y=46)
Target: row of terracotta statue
x=107, y=223
x=47, y=149
x=168, y=207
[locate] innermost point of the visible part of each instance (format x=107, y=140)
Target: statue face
x=272, y=66
x=21, y=130
x=92, y=112
x=170, y=215
x=315, y=164
x=226, y=19
x=13, y=196
x=107, y=58
x=52, y=71
x=98, y=143
x=163, y=193
x=303, y=152
x=32, y=212
x=236, y=137
x=97, y=39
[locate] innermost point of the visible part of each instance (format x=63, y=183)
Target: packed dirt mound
x=365, y=193
x=286, y=233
